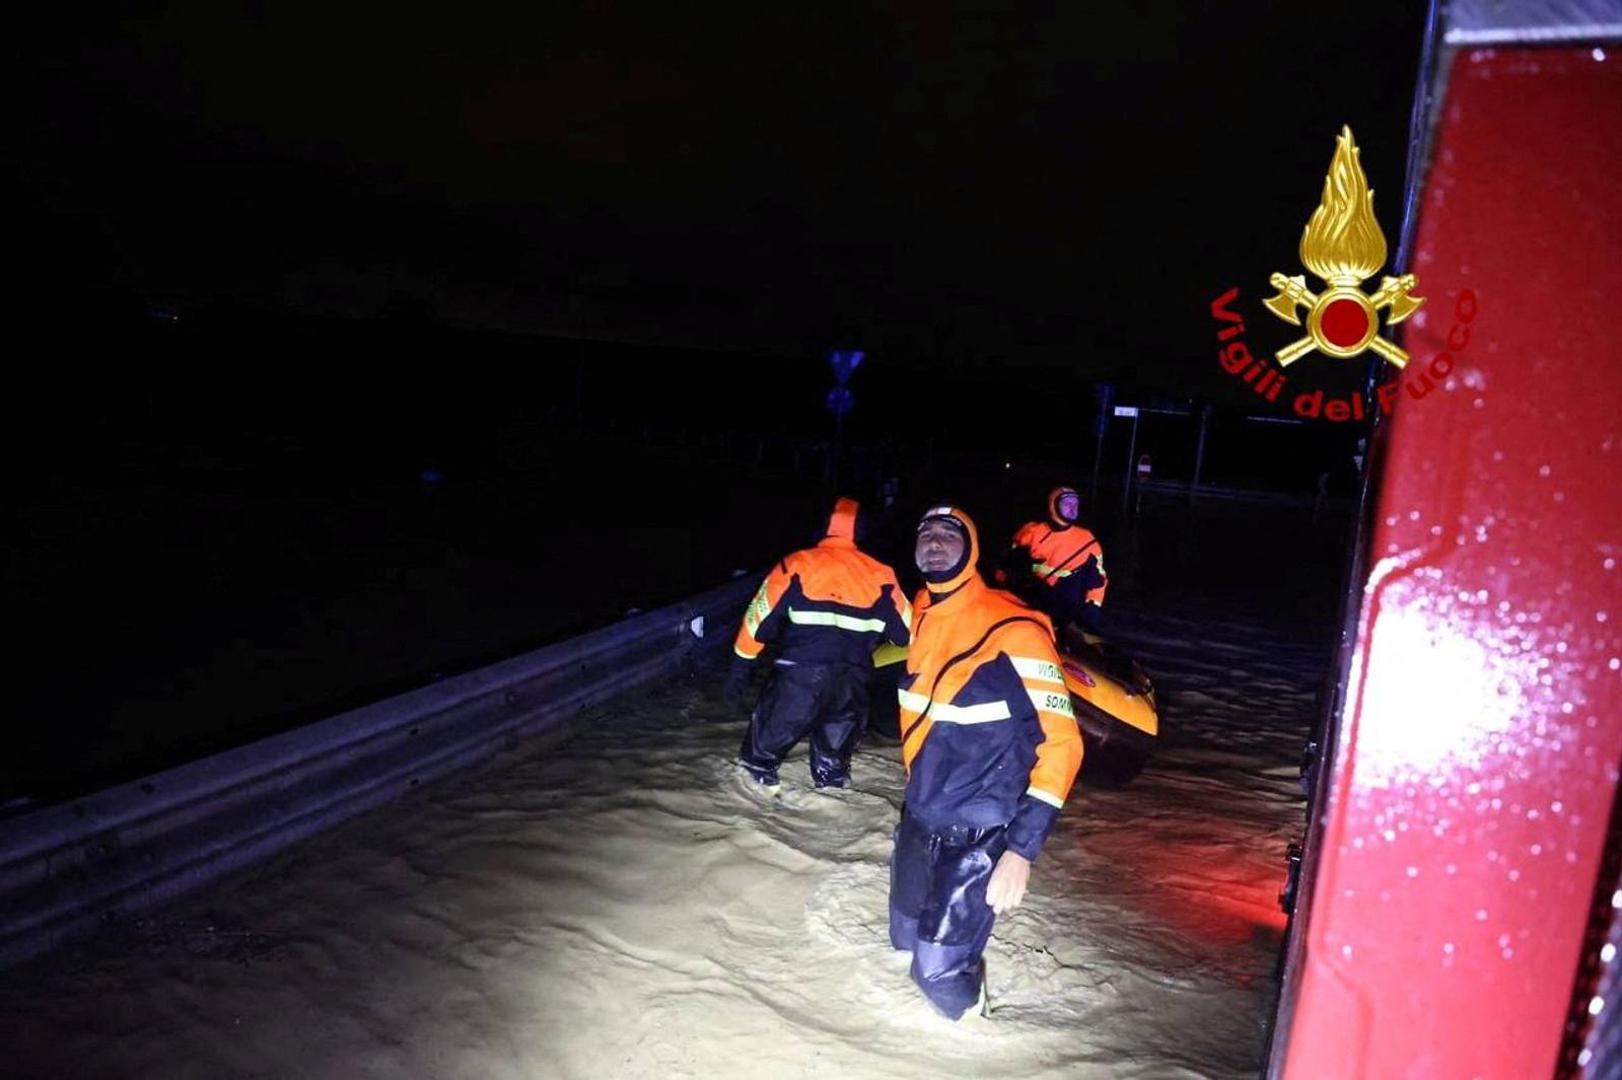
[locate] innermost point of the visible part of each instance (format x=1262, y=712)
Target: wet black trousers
x=938, y=909
x=826, y=701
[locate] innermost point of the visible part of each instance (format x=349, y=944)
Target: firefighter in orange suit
x=1057, y=565
x=991, y=748
x=826, y=609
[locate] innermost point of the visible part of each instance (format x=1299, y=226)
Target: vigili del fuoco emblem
x=1343, y=245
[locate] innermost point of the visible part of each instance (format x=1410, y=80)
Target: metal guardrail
x=66, y=869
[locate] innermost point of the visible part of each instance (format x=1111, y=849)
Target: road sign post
x=841, y=400
x=1131, y=452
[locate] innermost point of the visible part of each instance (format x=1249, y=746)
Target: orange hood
x=966, y=570
x=841, y=524
x=1058, y=520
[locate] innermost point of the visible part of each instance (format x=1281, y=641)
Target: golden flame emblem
x=1343, y=245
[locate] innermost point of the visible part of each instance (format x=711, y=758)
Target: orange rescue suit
x=827, y=604
x=989, y=734
x=1059, y=549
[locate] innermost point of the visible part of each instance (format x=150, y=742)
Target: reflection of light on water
x=1442, y=693
x=1206, y=889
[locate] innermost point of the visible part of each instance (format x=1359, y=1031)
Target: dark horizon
x=952, y=192
x=359, y=345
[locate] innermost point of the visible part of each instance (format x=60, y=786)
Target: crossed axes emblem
x=1343, y=321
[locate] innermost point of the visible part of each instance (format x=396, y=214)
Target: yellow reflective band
x=906, y=613
x=1044, y=570
x=1040, y=670
x=759, y=608
x=833, y=618
x=1053, y=701
x=887, y=654
x=1046, y=796
x=954, y=714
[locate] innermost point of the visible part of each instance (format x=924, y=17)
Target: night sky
x=469, y=304
x=1035, y=192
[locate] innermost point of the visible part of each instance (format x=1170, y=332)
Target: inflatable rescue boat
x=1115, y=708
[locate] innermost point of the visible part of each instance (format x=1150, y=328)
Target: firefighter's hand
x=1006, y=889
